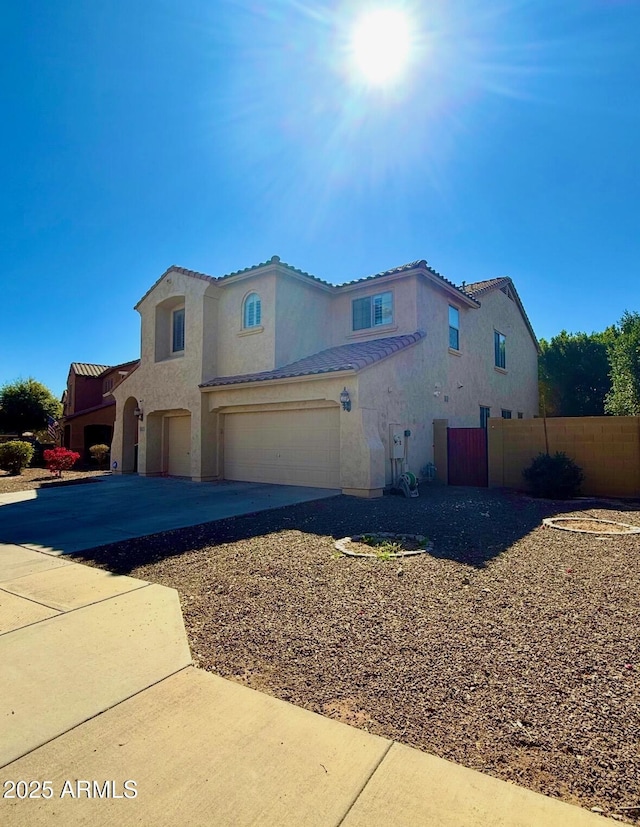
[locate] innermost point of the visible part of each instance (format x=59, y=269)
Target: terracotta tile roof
x=354, y=356
x=481, y=286
x=87, y=369
x=276, y=260
x=421, y=265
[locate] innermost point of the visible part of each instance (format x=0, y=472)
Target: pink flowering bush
x=60, y=459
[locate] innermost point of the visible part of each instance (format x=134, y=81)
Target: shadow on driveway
x=115, y=509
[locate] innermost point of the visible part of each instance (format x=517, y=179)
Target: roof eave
x=286, y=380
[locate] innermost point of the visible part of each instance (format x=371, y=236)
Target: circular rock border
x=550, y=522
x=341, y=545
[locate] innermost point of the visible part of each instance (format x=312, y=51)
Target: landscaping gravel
x=32, y=478
x=512, y=648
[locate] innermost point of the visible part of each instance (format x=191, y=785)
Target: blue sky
x=214, y=135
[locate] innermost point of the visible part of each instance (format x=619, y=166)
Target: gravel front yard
x=513, y=649
x=39, y=477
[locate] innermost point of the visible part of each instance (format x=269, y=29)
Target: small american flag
x=52, y=427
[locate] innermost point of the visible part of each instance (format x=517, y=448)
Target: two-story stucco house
x=272, y=375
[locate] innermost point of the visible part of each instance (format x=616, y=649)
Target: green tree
x=25, y=405
x=574, y=374
x=624, y=355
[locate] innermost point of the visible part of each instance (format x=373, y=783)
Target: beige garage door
x=179, y=449
x=284, y=447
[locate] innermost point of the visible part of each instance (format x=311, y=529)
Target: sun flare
x=381, y=46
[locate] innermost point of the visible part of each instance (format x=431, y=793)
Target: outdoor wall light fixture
x=345, y=400
x=139, y=413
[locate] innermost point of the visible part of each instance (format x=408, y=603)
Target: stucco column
x=117, y=440
x=362, y=453
x=205, y=466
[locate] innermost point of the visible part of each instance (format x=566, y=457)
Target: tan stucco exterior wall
x=162, y=388
x=607, y=448
x=252, y=350
x=404, y=294
x=459, y=383
x=303, y=314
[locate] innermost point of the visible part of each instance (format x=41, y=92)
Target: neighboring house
x=241, y=377
x=89, y=410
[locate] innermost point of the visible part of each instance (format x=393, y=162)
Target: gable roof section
x=87, y=369
x=422, y=266
x=419, y=265
x=174, y=269
x=479, y=288
x=128, y=365
x=354, y=356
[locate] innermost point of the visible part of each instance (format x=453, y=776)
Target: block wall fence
x=607, y=448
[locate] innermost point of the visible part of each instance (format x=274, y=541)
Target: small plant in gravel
x=60, y=459
x=555, y=477
x=15, y=455
x=384, y=546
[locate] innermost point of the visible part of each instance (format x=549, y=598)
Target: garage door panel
x=179, y=447
x=284, y=447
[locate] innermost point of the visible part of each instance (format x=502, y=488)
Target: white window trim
x=245, y=303
x=387, y=325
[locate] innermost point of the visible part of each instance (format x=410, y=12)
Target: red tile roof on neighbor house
x=354, y=356
x=87, y=369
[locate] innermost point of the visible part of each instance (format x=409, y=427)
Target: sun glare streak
x=381, y=46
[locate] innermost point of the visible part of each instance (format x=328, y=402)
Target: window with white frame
x=500, y=350
x=454, y=328
x=252, y=314
x=372, y=311
x=177, y=330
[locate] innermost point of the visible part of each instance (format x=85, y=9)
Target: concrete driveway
x=78, y=517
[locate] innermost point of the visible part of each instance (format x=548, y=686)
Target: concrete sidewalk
x=96, y=684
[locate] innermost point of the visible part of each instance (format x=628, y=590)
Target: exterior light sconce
x=345, y=400
x=139, y=413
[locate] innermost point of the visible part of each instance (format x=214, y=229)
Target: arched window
x=252, y=311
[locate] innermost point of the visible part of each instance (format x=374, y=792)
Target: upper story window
x=252, y=315
x=372, y=311
x=177, y=330
x=506, y=414
x=500, y=350
x=107, y=385
x=485, y=413
x=454, y=328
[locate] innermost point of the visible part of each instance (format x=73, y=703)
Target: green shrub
x=99, y=453
x=15, y=455
x=556, y=477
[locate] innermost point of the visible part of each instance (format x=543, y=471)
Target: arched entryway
x=130, y=424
